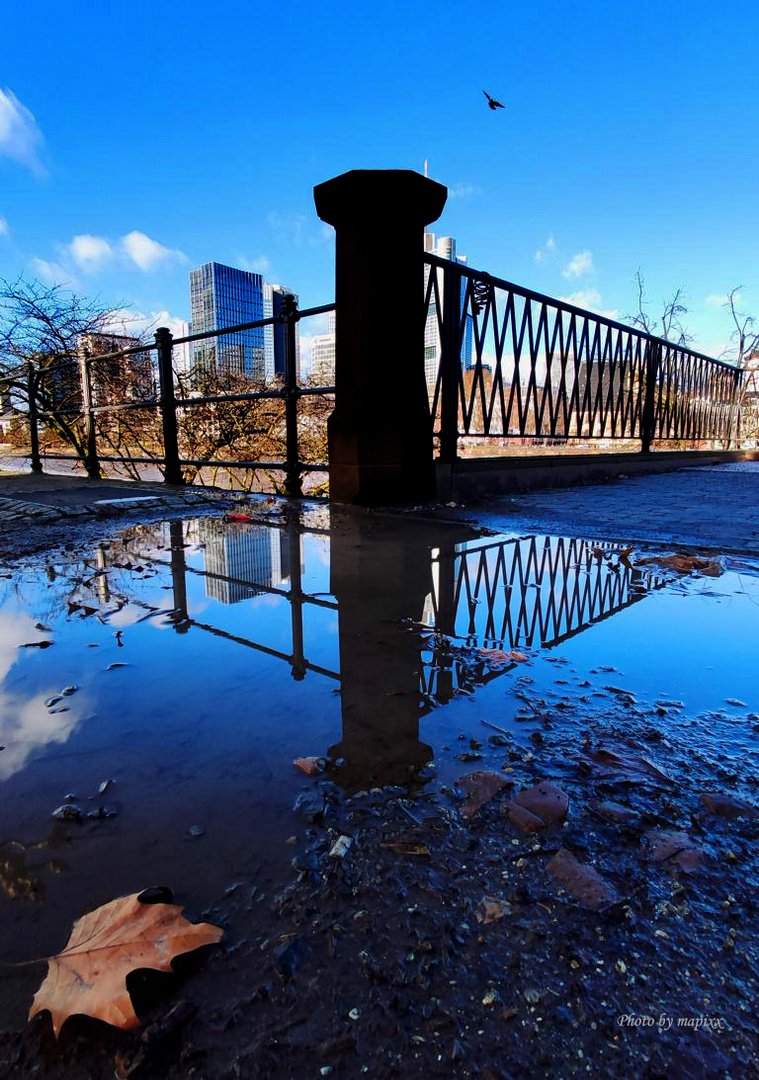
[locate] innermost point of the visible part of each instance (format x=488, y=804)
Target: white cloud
x=590, y=300
x=149, y=254
x=715, y=300
x=90, y=253
x=294, y=229
x=259, y=265
x=464, y=191
x=136, y=323
x=4, y=227
x=579, y=264
x=53, y=273
x=20, y=137
x=548, y=249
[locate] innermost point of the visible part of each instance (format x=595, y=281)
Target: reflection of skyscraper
x=251, y=556
x=445, y=248
x=225, y=296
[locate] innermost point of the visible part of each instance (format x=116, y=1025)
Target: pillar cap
x=389, y=194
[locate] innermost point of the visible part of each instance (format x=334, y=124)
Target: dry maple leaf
x=500, y=657
x=89, y=975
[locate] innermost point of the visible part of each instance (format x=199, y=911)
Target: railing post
x=450, y=360
x=91, y=463
x=34, y=435
x=288, y=312
x=172, y=472
x=648, y=419
x=380, y=432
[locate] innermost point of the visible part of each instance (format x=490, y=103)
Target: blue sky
x=138, y=141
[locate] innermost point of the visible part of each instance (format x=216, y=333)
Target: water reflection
x=388, y=583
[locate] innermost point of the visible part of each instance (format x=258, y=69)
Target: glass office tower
x=224, y=296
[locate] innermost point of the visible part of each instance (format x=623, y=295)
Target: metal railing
x=506, y=362
x=81, y=410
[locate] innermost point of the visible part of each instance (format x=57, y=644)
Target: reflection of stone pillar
x=380, y=433
x=381, y=574
x=179, y=577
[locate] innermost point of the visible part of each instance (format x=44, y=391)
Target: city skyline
x=568, y=190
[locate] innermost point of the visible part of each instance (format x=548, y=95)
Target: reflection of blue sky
x=693, y=641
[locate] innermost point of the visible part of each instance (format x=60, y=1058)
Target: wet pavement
x=414, y=661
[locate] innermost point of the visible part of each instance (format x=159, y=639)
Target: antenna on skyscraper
x=425, y=167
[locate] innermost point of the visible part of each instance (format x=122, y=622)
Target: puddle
x=205, y=657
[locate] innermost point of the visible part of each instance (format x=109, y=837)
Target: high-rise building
x=182, y=357
x=132, y=376
x=223, y=296
x=444, y=248
x=323, y=355
x=274, y=336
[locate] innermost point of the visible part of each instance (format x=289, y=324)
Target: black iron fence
x=505, y=362
x=73, y=394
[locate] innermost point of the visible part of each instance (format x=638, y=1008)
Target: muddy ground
x=447, y=944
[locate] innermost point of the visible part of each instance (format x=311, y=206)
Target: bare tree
x=668, y=324
x=41, y=331
x=743, y=352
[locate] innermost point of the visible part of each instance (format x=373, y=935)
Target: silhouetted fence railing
x=505, y=362
x=76, y=389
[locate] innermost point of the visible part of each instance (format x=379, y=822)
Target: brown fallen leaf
x=616, y=813
x=674, y=847
x=89, y=976
x=685, y=564
x=538, y=807
x=404, y=848
x=729, y=806
x=501, y=657
x=583, y=882
x=480, y=788
x=490, y=909
x=623, y=764
x=311, y=766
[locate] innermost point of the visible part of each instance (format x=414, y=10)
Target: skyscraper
x=274, y=336
x=323, y=355
x=225, y=296
x=445, y=248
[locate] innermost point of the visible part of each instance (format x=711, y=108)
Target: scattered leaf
x=405, y=848
x=480, y=788
x=539, y=807
x=676, y=847
x=311, y=766
x=501, y=657
x=89, y=976
x=728, y=806
x=616, y=813
x=581, y=881
x=490, y=909
x=625, y=765
x=685, y=564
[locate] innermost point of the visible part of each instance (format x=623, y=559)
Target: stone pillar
x=380, y=433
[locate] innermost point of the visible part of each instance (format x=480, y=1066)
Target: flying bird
x=492, y=101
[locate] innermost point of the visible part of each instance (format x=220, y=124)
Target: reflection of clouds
x=25, y=724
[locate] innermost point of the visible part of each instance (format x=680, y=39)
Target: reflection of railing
x=537, y=591
x=508, y=594
x=522, y=593
x=514, y=363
